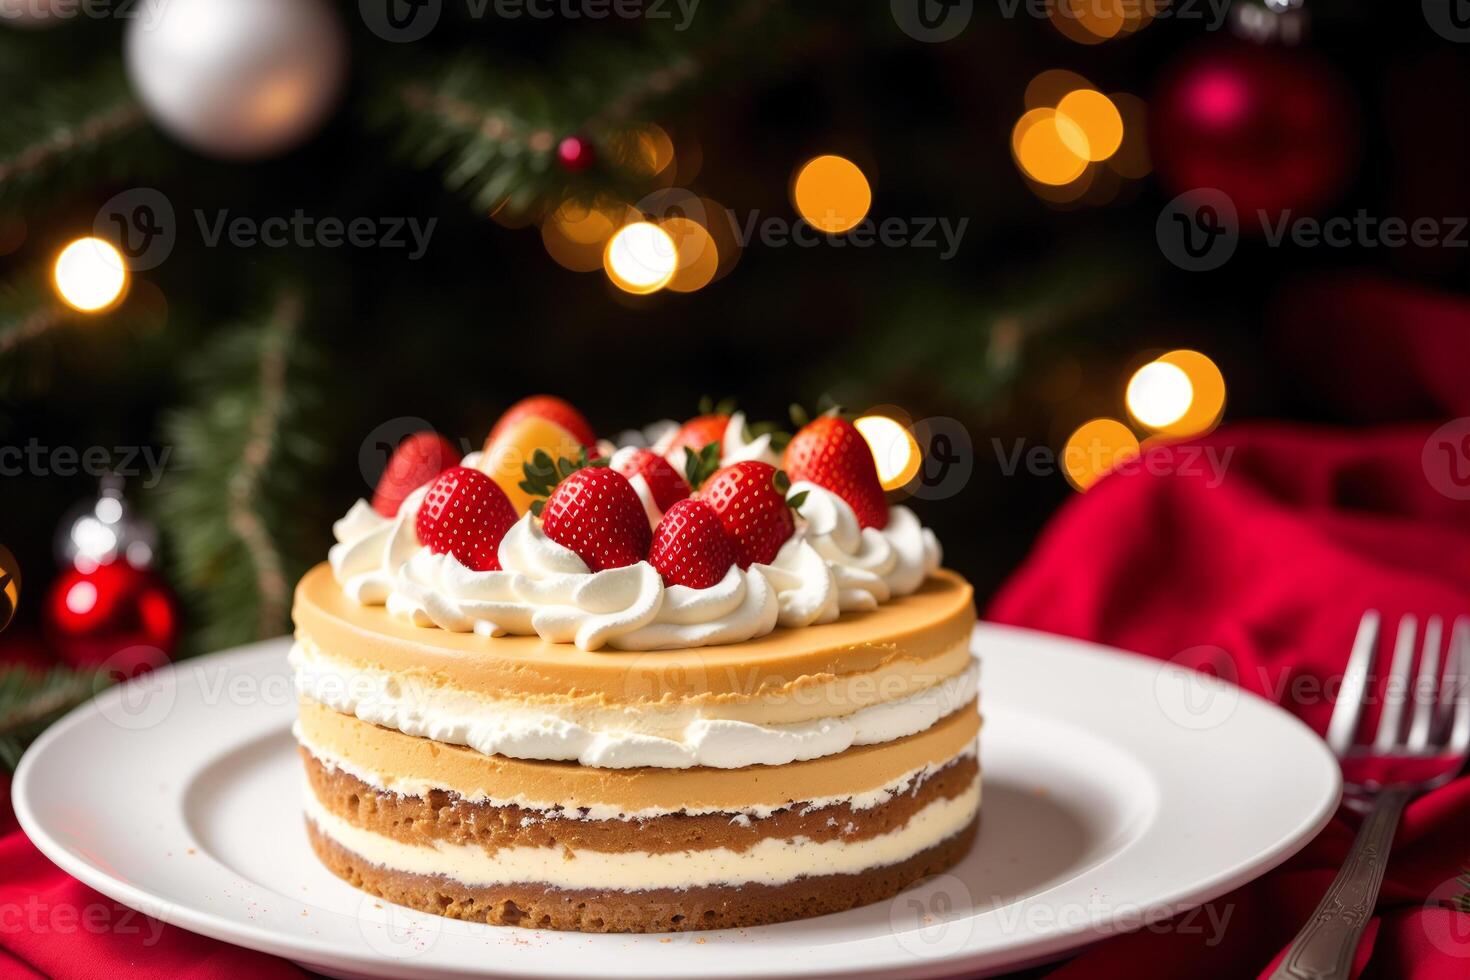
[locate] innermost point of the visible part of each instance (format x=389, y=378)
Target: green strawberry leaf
x=700, y=466
x=543, y=473
x=796, y=501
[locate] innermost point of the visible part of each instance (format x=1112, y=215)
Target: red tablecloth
x=1262, y=577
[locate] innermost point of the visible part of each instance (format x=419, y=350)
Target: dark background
x=486, y=316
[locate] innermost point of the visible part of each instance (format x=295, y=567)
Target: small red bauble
x=114, y=616
x=1271, y=126
x=575, y=154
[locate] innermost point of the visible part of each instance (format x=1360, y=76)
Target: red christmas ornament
x=112, y=615
x=1271, y=126
x=575, y=154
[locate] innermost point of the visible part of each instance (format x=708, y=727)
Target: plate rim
x=318, y=952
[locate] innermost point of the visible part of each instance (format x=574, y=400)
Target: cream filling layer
x=682, y=740
x=410, y=786
x=772, y=861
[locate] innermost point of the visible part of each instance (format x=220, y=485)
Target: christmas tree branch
x=78, y=131
x=245, y=487
x=244, y=458
x=495, y=134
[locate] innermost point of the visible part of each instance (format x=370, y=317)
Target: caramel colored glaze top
x=917, y=627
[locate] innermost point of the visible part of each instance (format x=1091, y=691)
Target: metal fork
x=1438, y=728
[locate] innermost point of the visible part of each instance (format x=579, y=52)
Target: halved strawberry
x=416, y=461
x=750, y=499
x=465, y=514
x=664, y=482
x=595, y=512
x=830, y=452
x=690, y=546
x=549, y=407
x=697, y=433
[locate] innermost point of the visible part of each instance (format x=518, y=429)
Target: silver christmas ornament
x=103, y=530
x=237, y=78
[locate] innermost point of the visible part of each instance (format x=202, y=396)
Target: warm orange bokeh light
x=699, y=257
x=1042, y=145
x=1096, y=118
x=831, y=193
x=1095, y=448
x=1208, y=404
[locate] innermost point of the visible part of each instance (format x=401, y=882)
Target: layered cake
x=706, y=682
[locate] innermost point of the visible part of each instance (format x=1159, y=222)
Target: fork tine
x=1458, y=678
x=1425, y=685
x=1397, y=686
x=1349, y=707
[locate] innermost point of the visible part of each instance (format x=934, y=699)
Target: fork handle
x=1324, y=949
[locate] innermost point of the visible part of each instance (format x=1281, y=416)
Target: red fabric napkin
x=1261, y=575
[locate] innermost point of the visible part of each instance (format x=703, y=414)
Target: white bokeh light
x=641, y=258
x=1159, y=394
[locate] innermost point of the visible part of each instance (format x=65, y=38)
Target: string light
x=831, y=193
x=641, y=258
x=1159, y=394
x=895, y=450
x=90, y=275
x=1095, y=448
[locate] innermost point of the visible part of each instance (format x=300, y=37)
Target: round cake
x=540, y=743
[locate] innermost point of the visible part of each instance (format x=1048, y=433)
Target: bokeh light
x=90, y=274
x=1096, y=118
x=1095, y=448
x=1051, y=86
x=895, y=450
x=698, y=256
x=641, y=258
x=576, y=232
x=831, y=193
x=1042, y=151
x=1159, y=394
x=1208, y=404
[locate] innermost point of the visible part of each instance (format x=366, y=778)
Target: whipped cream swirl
x=546, y=590
x=371, y=548
x=832, y=565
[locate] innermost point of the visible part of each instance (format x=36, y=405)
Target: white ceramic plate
x=1118, y=791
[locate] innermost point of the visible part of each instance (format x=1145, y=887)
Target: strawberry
x=664, y=482
x=551, y=408
x=690, y=546
x=830, y=452
x=595, y=512
x=416, y=461
x=465, y=514
x=749, y=498
x=697, y=433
